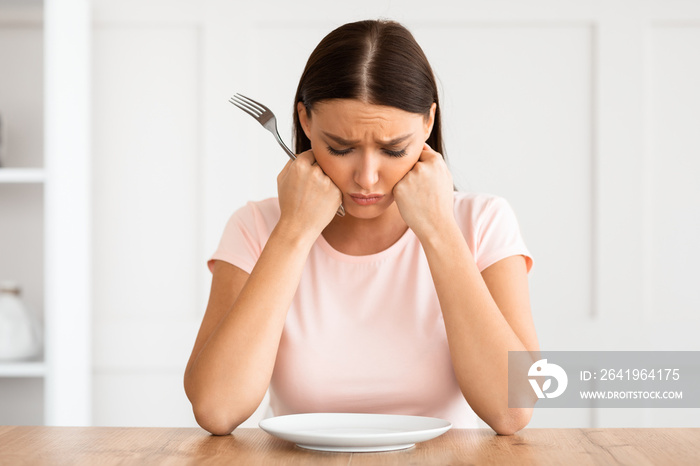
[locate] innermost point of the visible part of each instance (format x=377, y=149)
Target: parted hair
x=375, y=61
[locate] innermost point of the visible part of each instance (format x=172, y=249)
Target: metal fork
x=267, y=119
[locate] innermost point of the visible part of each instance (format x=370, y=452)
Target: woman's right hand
x=308, y=197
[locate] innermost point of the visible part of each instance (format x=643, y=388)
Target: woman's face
x=365, y=149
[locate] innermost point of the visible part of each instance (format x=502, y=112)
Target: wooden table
x=96, y=446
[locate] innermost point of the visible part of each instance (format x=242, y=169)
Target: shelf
x=22, y=175
x=45, y=192
x=22, y=369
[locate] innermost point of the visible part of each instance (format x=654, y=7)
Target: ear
x=430, y=121
x=304, y=119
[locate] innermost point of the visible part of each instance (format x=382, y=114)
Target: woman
x=408, y=304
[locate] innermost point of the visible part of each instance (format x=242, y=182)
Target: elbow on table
x=514, y=420
x=218, y=419
x=217, y=422
x=214, y=414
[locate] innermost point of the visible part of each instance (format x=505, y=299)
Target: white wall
x=583, y=114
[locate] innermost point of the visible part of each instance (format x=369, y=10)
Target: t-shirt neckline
x=392, y=250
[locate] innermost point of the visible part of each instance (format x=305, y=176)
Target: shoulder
x=268, y=209
x=246, y=232
x=254, y=214
x=479, y=208
x=255, y=221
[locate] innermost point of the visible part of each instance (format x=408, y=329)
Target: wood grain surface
x=94, y=446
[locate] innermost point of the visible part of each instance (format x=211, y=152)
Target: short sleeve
x=242, y=241
x=498, y=235
x=490, y=228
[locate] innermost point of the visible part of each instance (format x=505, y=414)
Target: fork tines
x=248, y=105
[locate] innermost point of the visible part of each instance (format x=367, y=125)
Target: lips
x=366, y=199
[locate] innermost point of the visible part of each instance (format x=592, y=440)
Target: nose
x=367, y=170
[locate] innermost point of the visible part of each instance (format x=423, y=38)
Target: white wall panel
x=620, y=169
x=675, y=171
x=146, y=185
x=124, y=343
x=145, y=398
x=146, y=233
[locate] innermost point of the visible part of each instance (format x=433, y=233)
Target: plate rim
x=387, y=439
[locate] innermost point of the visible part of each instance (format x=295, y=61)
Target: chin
x=363, y=212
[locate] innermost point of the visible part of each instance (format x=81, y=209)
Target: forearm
x=478, y=334
x=232, y=371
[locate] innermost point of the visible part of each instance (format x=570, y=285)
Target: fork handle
x=341, y=209
x=284, y=146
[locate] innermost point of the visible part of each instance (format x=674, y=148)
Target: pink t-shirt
x=365, y=333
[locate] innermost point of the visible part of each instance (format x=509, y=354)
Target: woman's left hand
x=425, y=195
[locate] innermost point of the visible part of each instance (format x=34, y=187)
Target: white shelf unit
x=22, y=175
x=44, y=204
x=23, y=369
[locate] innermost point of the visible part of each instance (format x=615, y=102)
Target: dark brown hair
x=378, y=62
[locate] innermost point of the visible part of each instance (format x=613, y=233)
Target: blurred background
x=121, y=161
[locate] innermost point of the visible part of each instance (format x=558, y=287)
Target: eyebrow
x=345, y=142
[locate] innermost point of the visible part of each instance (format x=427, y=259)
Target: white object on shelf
x=22, y=175
x=19, y=333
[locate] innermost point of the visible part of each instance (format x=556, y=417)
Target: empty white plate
x=351, y=432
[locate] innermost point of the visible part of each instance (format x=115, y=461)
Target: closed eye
x=395, y=153
x=391, y=153
x=338, y=152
